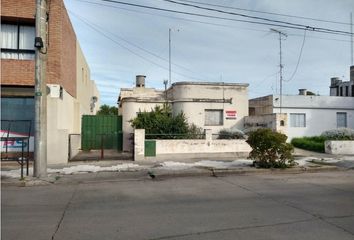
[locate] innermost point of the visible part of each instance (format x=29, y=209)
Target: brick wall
x=18, y=8
x=61, y=64
x=17, y=72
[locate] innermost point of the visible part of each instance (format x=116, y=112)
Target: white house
x=208, y=105
x=306, y=115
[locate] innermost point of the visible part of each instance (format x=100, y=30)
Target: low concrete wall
x=74, y=145
x=339, y=147
x=207, y=149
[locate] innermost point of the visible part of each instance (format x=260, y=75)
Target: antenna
x=280, y=64
x=165, y=82
x=169, y=55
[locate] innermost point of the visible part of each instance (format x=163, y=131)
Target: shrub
x=316, y=143
x=310, y=143
x=161, y=124
x=339, y=134
x=269, y=149
x=231, y=134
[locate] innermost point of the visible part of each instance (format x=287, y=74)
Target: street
x=258, y=206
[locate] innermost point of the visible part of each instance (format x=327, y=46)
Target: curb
x=168, y=174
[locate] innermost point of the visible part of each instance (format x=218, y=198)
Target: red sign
x=231, y=114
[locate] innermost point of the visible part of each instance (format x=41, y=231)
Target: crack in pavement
x=287, y=203
x=232, y=229
x=64, y=212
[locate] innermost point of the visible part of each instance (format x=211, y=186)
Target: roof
x=211, y=83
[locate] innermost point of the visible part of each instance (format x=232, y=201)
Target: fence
x=177, y=149
x=101, y=132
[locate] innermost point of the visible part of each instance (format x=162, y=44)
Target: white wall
x=194, y=99
x=321, y=113
x=60, y=123
x=129, y=111
x=207, y=149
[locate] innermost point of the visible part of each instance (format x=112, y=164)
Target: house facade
x=208, y=105
x=303, y=115
x=71, y=92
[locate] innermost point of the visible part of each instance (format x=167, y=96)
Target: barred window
x=297, y=120
x=214, y=117
x=341, y=119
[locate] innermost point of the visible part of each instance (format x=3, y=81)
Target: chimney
x=303, y=91
x=140, y=81
x=352, y=73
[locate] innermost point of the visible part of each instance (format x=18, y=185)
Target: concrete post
x=208, y=136
x=40, y=134
x=139, y=144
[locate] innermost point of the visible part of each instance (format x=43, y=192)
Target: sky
x=121, y=41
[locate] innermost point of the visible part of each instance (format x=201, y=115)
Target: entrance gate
x=101, y=132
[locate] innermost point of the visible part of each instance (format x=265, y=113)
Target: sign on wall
x=15, y=146
x=231, y=114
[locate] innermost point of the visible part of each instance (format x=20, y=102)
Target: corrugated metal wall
x=98, y=130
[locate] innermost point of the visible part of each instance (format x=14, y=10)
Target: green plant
x=107, y=110
x=315, y=143
x=269, y=149
x=161, y=124
x=231, y=134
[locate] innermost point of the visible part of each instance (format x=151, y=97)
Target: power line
x=264, y=12
x=95, y=27
x=255, y=17
x=298, y=60
x=203, y=22
x=329, y=31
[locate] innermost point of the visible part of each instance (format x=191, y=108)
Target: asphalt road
x=293, y=206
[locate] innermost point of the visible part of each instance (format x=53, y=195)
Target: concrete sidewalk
x=117, y=170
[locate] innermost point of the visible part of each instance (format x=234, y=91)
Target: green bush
x=269, y=149
x=161, y=124
x=316, y=143
x=310, y=143
x=231, y=134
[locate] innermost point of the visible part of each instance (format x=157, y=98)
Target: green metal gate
x=101, y=130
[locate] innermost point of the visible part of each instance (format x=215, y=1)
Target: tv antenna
x=281, y=66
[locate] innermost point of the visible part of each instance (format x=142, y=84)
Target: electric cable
x=264, y=12
x=128, y=49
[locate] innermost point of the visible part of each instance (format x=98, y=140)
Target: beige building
x=208, y=105
x=64, y=111
x=71, y=93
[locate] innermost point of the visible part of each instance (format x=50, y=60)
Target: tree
x=160, y=123
x=269, y=149
x=107, y=110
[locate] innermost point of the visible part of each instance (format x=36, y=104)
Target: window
x=341, y=119
x=17, y=108
x=17, y=41
x=297, y=120
x=214, y=117
x=347, y=91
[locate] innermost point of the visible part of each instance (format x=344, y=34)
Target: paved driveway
x=294, y=206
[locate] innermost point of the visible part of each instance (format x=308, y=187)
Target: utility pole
x=40, y=96
x=169, y=56
x=351, y=39
x=280, y=65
